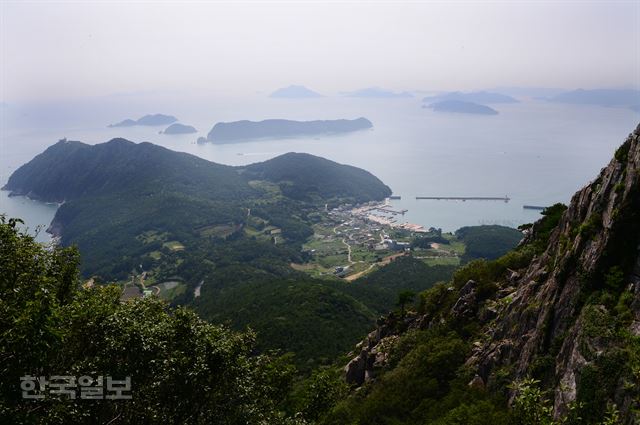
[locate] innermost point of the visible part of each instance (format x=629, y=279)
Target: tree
x=182, y=369
x=404, y=298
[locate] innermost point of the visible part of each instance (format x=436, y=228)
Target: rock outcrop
x=555, y=307
x=570, y=317
x=373, y=351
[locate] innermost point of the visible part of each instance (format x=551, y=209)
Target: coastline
x=38, y=215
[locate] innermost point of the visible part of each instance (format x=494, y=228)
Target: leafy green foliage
x=425, y=386
x=300, y=315
x=318, y=320
x=425, y=242
x=614, y=278
x=320, y=392
x=183, y=370
x=379, y=289
x=531, y=405
x=488, y=242
x=589, y=228
x=480, y=412
x=542, y=228
x=622, y=152
x=404, y=298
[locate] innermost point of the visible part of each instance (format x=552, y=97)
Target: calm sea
x=534, y=152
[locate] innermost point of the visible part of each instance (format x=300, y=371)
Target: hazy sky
x=69, y=49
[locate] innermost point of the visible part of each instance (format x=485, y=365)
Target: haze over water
x=535, y=152
x=71, y=68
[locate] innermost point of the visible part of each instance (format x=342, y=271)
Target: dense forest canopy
x=182, y=369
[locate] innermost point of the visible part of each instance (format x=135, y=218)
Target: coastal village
x=349, y=241
x=352, y=240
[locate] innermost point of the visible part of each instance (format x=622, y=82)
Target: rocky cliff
x=569, y=316
x=559, y=306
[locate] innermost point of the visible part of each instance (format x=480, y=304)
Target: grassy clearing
x=268, y=188
x=441, y=261
x=455, y=246
x=218, y=231
x=151, y=236
x=170, y=292
x=156, y=255
x=174, y=246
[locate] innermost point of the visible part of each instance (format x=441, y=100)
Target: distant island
x=459, y=106
x=529, y=92
x=150, y=120
x=376, y=92
x=626, y=98
x=230, y=132
x=179, y=129
x=294, y=92
x=474, y=97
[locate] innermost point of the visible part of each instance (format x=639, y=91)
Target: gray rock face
x=467, y=303
x=477, y=383
x=600, y=229
x=373, y=351
x=356, y=368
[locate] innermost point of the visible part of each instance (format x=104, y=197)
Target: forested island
x=180, y=129
x=473, y=97
x=148, y=120
x=458, y=106
x=237, y=131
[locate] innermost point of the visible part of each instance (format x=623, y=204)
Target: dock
x=391, y=210
x=466, y=198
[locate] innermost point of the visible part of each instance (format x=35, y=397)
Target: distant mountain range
x=529, y=92
x=237, y=131
x=294, y=92
x=602, y=97
x=376, y=92
x=459, y=106
x=150, y=120
x=475, y=97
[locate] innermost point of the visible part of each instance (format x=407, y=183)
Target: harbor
x=384, y=214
